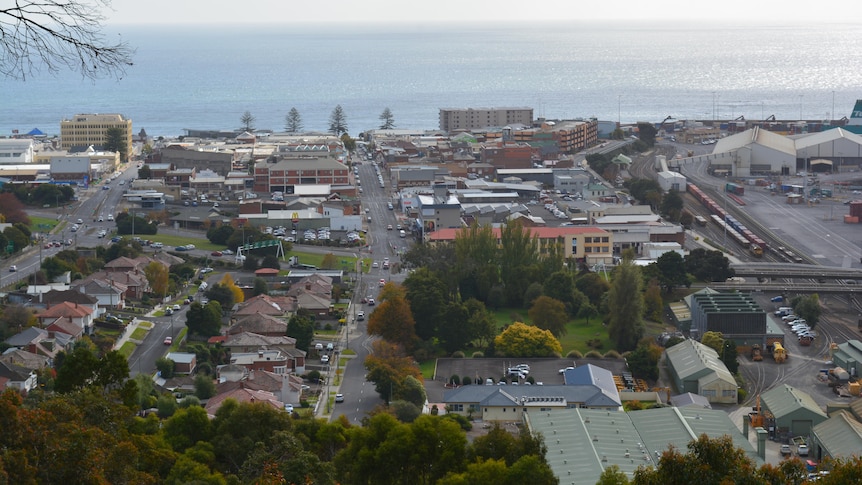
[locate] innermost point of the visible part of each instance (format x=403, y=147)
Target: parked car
x=216, y=253
x=339, y=397
x=360, y=315
x=324, y=359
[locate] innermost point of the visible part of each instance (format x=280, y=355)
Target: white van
x=402, y=234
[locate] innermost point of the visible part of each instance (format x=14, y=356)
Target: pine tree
x=625, y=304
x=293, y=121
x=387, y=119
x=337, y=121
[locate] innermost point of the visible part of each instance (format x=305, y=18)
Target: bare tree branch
x=57, y=34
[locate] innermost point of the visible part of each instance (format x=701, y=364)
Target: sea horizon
x=207, y=76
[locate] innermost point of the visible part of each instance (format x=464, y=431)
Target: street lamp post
x=619, y=110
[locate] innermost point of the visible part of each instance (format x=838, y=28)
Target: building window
x=457, y=407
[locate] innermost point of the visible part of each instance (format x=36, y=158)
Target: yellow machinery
x=779, y=353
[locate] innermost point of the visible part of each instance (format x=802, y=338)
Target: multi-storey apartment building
x=459, y=119
x=284, y=175
x=84, y=130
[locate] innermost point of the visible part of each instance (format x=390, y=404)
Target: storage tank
x=839, y=374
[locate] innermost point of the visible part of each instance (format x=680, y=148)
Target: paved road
x=93, y=203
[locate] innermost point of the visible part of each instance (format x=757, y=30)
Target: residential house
x=109, y=294
x=315, y=284
x=135, y=283
x=54, y=297
x=82, y=316
x=260, y=324
x=287, y=388
x=314, y=304
x=15, y=376
x=243, y=395
x=269, y=360
x=184, y=362
x=248, y=342
x=41, y=341
x=265, y=305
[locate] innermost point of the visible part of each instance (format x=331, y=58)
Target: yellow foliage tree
x=238, y=295
x=522, y=340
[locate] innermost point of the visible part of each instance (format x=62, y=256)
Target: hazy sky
x=287, y=11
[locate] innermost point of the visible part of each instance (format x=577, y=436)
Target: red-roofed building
x=80, y=315
x=243, y=395
x=584, y=243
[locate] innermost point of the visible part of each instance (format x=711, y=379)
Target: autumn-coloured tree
x=238, y=295
x=522, y=340
x=393, y=321
x=388, y=368
x=157, y=277
x=549, y=314
x=329, y=261
x=12, y=210
x=391, y=290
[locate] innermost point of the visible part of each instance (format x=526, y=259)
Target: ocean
x=207, y=77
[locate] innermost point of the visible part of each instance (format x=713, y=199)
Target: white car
x=324, y=359
x=339, y=397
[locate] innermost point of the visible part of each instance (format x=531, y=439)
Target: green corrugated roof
x=840, y=435
x=784, y=400
x=583, y=442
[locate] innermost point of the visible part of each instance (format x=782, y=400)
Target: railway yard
x=765, y=231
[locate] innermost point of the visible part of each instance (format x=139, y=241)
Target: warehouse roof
x=583, y=442
x=755, y=136
x=840, y=435
x=691, y=359
x=827, y=136
x=784, y=400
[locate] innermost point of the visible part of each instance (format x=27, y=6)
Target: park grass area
x=578, y=331
x=174, y=241
x=346, y=263
x=427, y=367
x=145, y=324
x=159, y=313
x=42, y=224
x=327, y=333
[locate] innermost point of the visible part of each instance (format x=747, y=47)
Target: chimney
x=761, y=442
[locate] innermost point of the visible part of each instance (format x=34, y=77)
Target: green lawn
x=577, y=334
x=145, y=324
x=174, y=241
x=427, y=368
x=126, y=349
x=42, y=224
x=347, y=263
x=139, y=333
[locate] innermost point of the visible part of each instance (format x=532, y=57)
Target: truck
x=735, y=189
x=756, y=353
x=779, y=353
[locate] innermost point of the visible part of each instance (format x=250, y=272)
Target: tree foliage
x=625, y=304
x=54, y=34
x=387, y=120
x=338, y=121
x=293, y=121
x=157, y=277
x=707, y=265
x=388, y=368
x=549, y=314
x=393, y=321
x=115, y=141
x=247, y=120
x=671, y=270
x=522, y=340
x=807, y=307
x=302, y=329
x=204, y=320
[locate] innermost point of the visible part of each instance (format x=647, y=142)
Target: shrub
x=458, y=354
x=594, y=343
x=612, y=354
x=465, y=423
x=574, y=354
x=741, y=394
x=478, y=355
x=466, y=381
x=531, y=380
x=593, y=354
x=455, y=379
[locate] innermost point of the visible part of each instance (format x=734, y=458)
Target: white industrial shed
x=837, y=145
x=757, y=151
x=754, y=151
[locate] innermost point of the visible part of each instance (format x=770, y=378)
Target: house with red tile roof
x=82, y=316
x=260, y=324
x=243, y=395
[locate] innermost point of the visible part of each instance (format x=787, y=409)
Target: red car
x=169, y=340
x=216, y=253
